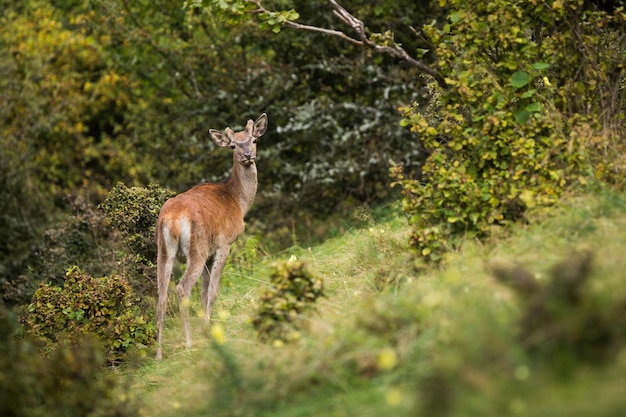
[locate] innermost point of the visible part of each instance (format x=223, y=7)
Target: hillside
x=395, y=338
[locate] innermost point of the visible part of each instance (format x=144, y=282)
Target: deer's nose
x=247, y=155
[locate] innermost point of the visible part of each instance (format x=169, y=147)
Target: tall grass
x=394, y=338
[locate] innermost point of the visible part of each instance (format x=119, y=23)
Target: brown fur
x=199, y=225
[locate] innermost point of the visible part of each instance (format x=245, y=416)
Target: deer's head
x=242, y=143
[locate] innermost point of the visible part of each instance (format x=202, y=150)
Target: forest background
x=100, y=92
x=97, y=92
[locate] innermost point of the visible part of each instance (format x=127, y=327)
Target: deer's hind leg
x=166, y=256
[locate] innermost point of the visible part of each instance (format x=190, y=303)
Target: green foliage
x=104, y=308
x=238, y=11
x=62, y=103
x=293, y=292
x=21, y=210
x=133, y=212
x=69, y=381
x=512, y=131
x=83, y=237
x=87, y=101
x=244, y=254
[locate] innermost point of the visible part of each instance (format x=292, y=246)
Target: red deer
x=201, y=224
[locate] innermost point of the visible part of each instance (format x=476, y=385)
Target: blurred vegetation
x=562, y=321
x=83, y=237
x=292, y=293
x=69, y=381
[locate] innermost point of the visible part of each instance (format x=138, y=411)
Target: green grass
x=394, y=338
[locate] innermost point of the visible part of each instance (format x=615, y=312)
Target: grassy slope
x=433, y=342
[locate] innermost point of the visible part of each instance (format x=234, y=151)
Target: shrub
x=21, y=211
x=527, y=83
x=83, y=237
x=293, y=292
x=17, y=291
x=117, y=238
x=104, y=308
x=133, y=212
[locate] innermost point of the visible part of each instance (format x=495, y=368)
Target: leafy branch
x=362, y=38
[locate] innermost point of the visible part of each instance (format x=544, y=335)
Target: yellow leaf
x=431, y=131
x=528, y=197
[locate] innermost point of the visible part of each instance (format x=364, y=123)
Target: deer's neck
x=243, y=182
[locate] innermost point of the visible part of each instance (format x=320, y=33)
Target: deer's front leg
x=183, y=290
x=221, y=255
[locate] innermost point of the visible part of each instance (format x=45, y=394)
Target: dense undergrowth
x=394, y=338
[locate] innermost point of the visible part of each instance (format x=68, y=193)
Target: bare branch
x=332, y=32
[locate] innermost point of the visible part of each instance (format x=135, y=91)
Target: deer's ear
x=260, y=126
x=220, y=138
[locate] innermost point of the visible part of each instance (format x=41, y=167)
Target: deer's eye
x=253, y=140
x=232, y=146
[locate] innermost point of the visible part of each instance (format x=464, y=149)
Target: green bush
x=118, y=237
x=83, y=237
x=528, y=85
x=104, y=308
x=293, y=292
x=133, y=212
x=22, y=211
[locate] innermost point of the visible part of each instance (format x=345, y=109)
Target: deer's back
x=208, y=214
